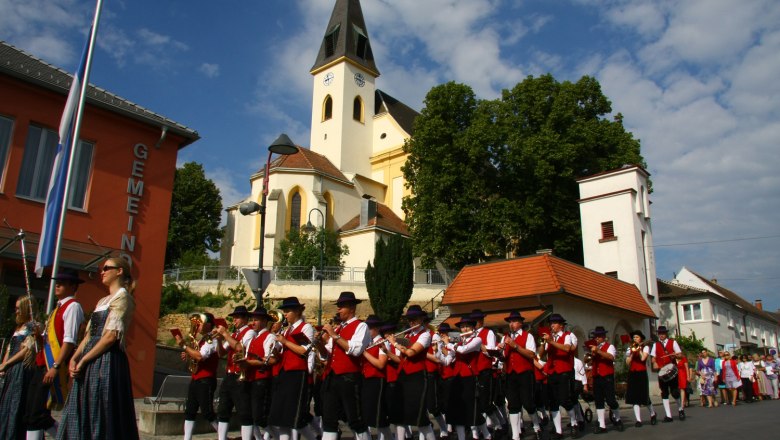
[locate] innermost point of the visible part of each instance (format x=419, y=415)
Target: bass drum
x=668, y=373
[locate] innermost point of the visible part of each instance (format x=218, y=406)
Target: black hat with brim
x=240, y=311
x=291, y=302
x=68, y=276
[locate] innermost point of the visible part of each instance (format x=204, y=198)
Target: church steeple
x=346, y=37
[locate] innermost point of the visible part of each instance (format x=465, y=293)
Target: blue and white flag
x=55, y=196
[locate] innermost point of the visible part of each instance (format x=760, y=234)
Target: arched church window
x=295, y=211
x=357, y=109
x=327, y=108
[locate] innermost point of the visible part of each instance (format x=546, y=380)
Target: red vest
x=448, y=371
x=637, y=364
x=431, y=366
x=391, y=371
x=662, y=351
x=238, y=336
x=603, y=367
x=540, y=373
x=257, y=350
x=206, y=367
x=416, y=363
x=515, y=362
x=292, y=361
x=483, y=362
x=59, y=331
x=559, y=361
x=341, y=362
x=369, y=370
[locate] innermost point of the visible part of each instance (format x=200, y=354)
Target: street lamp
x=310, y=228
x=284, y=147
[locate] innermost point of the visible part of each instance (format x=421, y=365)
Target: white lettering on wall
x=135, y=192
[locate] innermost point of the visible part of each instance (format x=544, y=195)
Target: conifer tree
x=389, y=280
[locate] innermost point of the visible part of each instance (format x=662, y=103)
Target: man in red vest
x=200, y=392
x=560, y=347
x=233, y=392
x=65, y=321
x=341, y=386
x=663, y=352
x=374, y=370
x=603, y=369
x=484, y=371
x=519, y=354
x=259, y=360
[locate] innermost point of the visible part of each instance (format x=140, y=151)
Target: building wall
x=119, y=143
x=386, y=168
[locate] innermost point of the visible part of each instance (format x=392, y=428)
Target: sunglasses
x=107, y=268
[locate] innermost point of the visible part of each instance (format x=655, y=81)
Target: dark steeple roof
x=346, y=36
x=402, y=113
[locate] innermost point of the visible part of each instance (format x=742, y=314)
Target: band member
x=519, y=353
x=290, y=398
x=411, y=378
x=560, y=347
x=260, y=357
x=205, y=360
x=484, y=370
x=395, y=415
x=580, y=385
x=373, y=389
x=463, y=406
x=234, y=392
x=341, y=387
x=49, y=384
x=603, y=369
x=447, y=373
x=541, y=395
x=434, y=380
x=638, y=392
x=662, y=353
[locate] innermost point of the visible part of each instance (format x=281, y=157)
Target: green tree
x=489, y=177
x=196, y=210
x=691, y=345
x=390, y=280
x=300, y=251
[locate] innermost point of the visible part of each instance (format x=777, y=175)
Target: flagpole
x=73, y=142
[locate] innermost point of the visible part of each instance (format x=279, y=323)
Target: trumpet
x=383, y=340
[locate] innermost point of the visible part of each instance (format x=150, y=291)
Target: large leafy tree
x=196, y=211
x=300, y=251
x=389, y=281
x=490, y=177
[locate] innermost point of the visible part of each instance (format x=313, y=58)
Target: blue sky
x=697, y=83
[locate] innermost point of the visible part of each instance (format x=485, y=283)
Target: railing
x=297, y=273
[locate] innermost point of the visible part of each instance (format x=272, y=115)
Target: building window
x=715, y=316
x=38, y=161
x=6, y=125
x=357, y=109
x=692, y=312
x=731, y=319
x=607, y=231
x=362, y=49
x=611, y=274
x=330, y=41
x=295, y=211
x=327, y=108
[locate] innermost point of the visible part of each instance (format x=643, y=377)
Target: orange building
x=120, y=192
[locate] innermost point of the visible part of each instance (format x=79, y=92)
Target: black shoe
x=575, y=432
x=653, y=419
x=556, y=436
x=682, y=414
x=544, y=421
x=668, y=420
x=619, y=425
x=599, y=430
x=638, y=425
x=581, y=426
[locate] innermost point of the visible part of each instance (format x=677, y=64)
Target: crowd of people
x=286, y=379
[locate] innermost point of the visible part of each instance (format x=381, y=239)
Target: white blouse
x=120, y=306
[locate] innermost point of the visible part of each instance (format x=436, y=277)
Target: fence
x=298, y=273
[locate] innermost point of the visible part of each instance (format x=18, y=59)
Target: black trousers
x=560, y=388
x=261, y=401
x=520, y=392
x=393, y=399
x=433, y=394
x=234, y=394
x=445, y=393
x=37, y=415
x=499, y=390
x=413, y=389
x=372, y=400
x=200, y=396
x=290, y=400
x=747, y=390
x=462, y=406
x=604, y=390
x=341, y=395
x=670, y=387
x=485, y=392
x=541, y=396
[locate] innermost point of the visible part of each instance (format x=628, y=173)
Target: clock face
x=360, y=80
x=328, y=78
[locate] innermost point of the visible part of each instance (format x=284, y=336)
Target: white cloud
x=210, y=70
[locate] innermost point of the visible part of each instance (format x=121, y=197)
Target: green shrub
x=179, y=298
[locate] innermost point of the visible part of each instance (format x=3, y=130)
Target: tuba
x=196, y=319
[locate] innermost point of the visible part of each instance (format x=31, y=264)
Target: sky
x=696, y=81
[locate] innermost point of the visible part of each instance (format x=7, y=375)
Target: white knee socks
x=222, y=430
x=602, y=422
x=427, y=431
x=667, y=408
x=556, y=418
x=515, y=423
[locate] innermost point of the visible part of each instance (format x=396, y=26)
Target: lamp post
x=310, y=228
x=285, y=147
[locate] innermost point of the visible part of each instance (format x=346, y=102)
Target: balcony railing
x=297, y=273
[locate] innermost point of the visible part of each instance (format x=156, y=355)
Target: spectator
x=772, y=366
x=730, y=377
x=762, y=386
x=705, y=369
x=747, y=375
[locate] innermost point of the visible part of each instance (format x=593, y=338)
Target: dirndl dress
x=100, y=404
x=12, y=396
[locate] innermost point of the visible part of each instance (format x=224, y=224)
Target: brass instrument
x=196, y=319
x=459, y=339
x=276, y=316
x=396, y=335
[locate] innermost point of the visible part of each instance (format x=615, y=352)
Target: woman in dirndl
x=17, y=367
x=100, y=404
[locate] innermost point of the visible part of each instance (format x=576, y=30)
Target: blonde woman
x=18, y=367
x=100, y=404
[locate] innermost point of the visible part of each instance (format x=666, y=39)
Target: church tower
x=342, y=111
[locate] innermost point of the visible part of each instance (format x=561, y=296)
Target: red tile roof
x=306, y=159
x=541, y=275
x=385, y=219
x=497, y=319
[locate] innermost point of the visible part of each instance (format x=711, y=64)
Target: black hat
x=68, y=275
x=415, y=311
x=240, y=310
x=291, y=302
x=637, y=332
x=662, y=329
x=373, y=321
x=555, y=317
x=477, y=314
x=261, y=312
x=347, y=298
x=444, y=328
x=599, y=331
x=387, y=328
x=466, y=320
x=514, y=315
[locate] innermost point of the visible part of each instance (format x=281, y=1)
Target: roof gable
x=305, y=159
x=733, y=297
x=402, y=113
x=385, y=219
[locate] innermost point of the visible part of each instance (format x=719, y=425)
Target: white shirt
x=357, y=343
x=472, y=345
x=746, y=369
x=425, y=337
x=530, y=343
x=675, y=347
x=207, y=349
x=579, y=371
x=490, y=343
x=268, y=344
x=611, y=349
x=570, y=339
x=72, y=318
x=248, y=336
